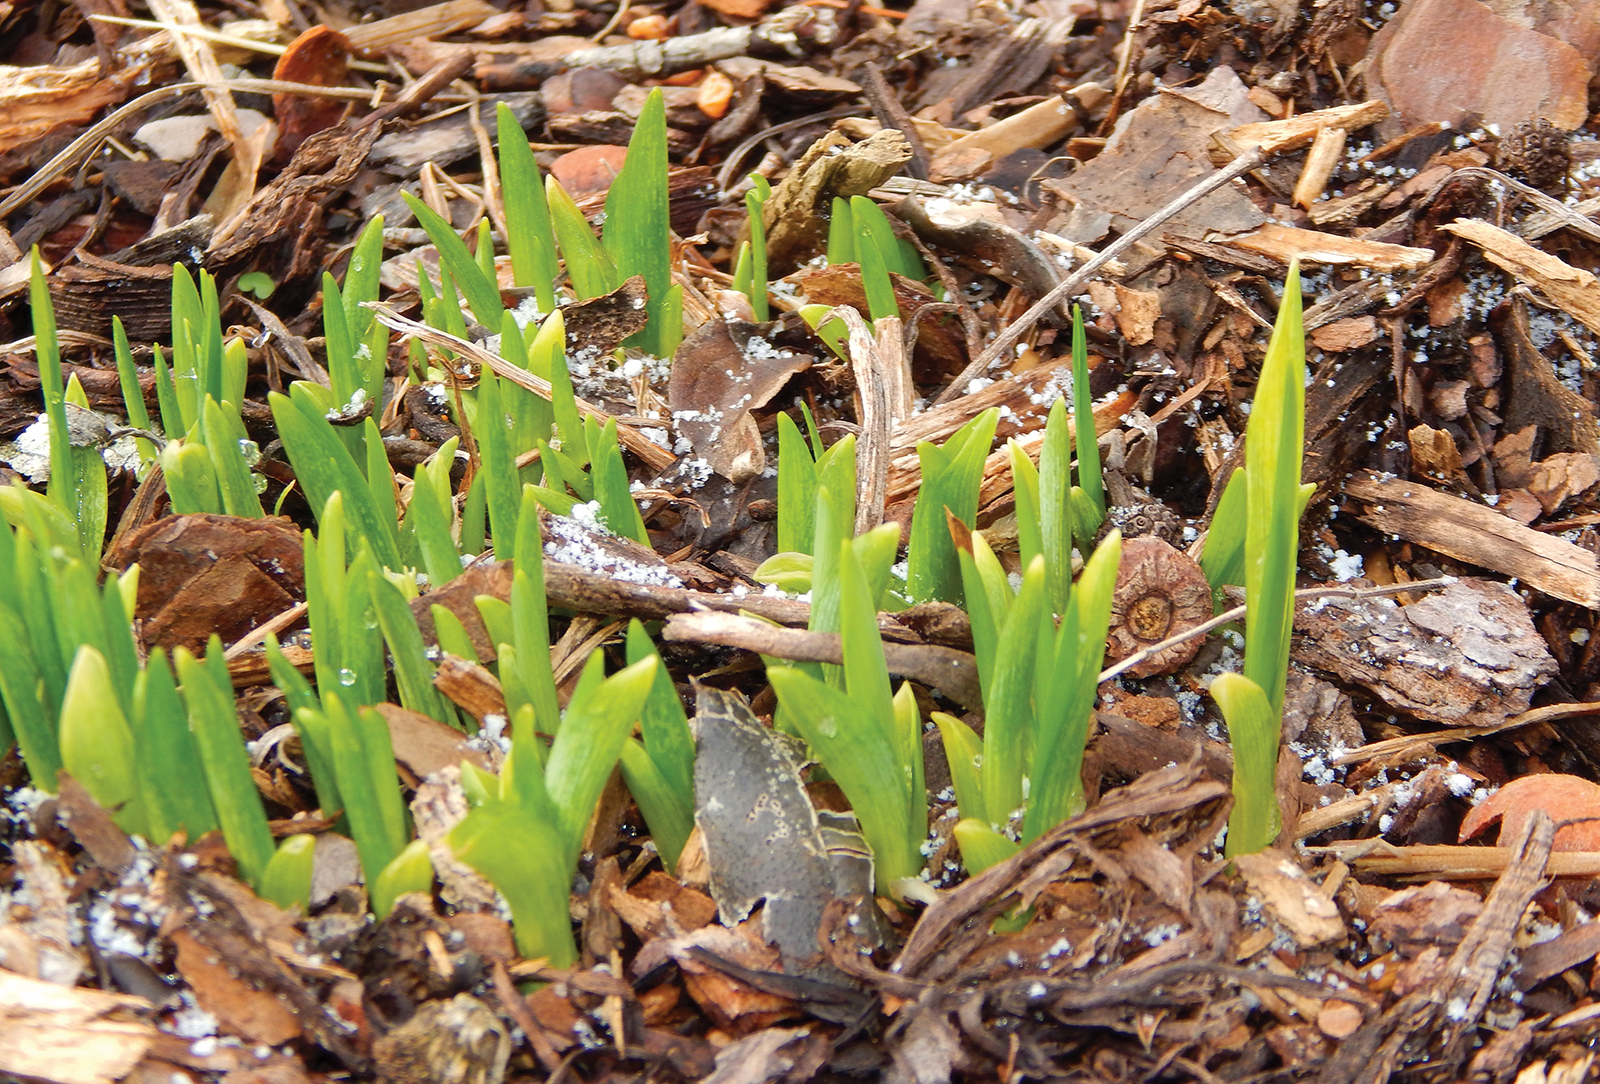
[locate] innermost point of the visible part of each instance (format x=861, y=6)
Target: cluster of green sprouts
x=77, y=697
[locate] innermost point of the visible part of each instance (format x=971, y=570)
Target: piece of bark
x=86, y=294
x=70, y=1036
x=425, y=745
x=449, y=139
x=291, y=206
x=205, y=573
x=1012, y=61
x=1536, y=397
x=1448, y=60
x=470, y=687
x=39, y=99
x=979, y=230
x=1478, y=535
x=1468, y=650
x=797, y=213
x=1285, y=890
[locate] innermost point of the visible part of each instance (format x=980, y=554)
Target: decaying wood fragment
x=1573, y=289
x=1478, y=535
x=67, y=1035
x=1277, y=136
x=1285, y=243
x=796, y=216
x=787, y=33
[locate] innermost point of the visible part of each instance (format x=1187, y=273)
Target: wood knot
x=1160, y=592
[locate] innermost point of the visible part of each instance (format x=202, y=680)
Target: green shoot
x=638, y=230
x=951, y=474
x=1252, y=702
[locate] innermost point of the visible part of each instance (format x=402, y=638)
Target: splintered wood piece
x=1321, y=161
x=1276, y=136
x=1573, y=289
x=1285, y=243
x=884, y=392
x=1039, y=125
x=1481, y=536
x=40, y=98
x=67, y=1035
x=1450, y=862
x=434, y=21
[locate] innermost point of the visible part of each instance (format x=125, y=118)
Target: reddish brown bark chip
x=203, y=573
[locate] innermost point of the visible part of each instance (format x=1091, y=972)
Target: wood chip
x=69, y=1036
x=1326, y=150
x=1274, y=136
x=1285, y=243
x=1481, y=536
x=1292, y=897
x=1571, y=288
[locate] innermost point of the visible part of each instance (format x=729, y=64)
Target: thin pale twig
x=654, y=456
x=1013, y=334
x=84, y=147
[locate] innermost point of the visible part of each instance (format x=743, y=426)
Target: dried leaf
x=720, y=373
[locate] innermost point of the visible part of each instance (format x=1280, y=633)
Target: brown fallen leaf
x=720, y=373
x=602, y=323
x=1565, y=798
